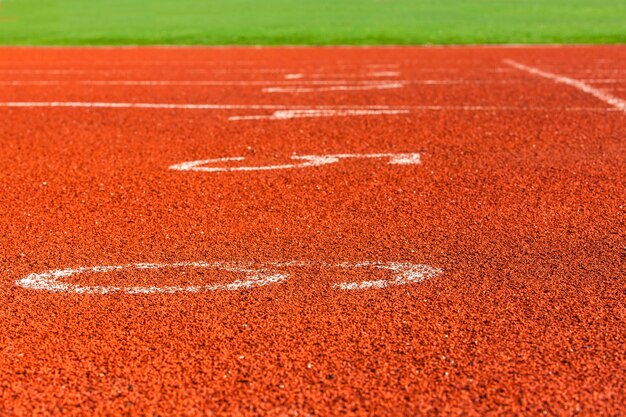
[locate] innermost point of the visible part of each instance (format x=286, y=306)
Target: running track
x=454, y=243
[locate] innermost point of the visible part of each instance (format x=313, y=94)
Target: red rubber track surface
x=520, y=203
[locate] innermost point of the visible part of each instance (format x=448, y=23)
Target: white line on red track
x=366, y=87
x=605, y=80
x=283, y=112
x=302, y=161
x=225, y=83
x=297, y=114
x=255, y=275
x=579, y=85
x=201, y=106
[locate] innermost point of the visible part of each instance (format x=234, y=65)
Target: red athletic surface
x=520, y=205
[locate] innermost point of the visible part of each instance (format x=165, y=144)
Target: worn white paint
x=255, y=275
x=203, y=106
x=364, y=87
x=403, y=273
x=605, y=80
x=306, y=113
x=618, y=103
x=52, y=280
x=268, y=84
x=302, y=161
x=286, y=112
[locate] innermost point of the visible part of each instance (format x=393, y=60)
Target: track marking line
x=579, y=85
x=403, y=273
x=605, y=80
x=308, y=161
x=373, y=74
x=224, y=83
x=284, y=112
x=374, y=86
x=296, y=114
x=50, y=281
x=385, y=74
x=244, y=83
x=207, y=106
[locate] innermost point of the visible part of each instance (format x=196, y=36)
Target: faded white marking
x=33, y=82
x=215, y=83
x=373, y=86
x=403, y=273
x=249, y=83
x=283, y=112
x=605, y=80
x=82, y=104
x=51, y=280
x=322, y=75
x=384, y=74
x=307, y=162
x=579, y=85
x=50, y=71
x=383, y=66
x=295, y=114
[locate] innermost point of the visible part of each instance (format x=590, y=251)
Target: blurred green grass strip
x=310, y=22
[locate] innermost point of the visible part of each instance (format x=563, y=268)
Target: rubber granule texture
x=518, y=202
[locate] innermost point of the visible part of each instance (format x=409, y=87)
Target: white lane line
x=376, y=86
x=605, y=80
x=307, y=161
x=284, y=112
x=183, y=106
x=210, y=83
x=385, y=74
x=374, y=74
x=303, y=113
x=255, y=275
x=52, y=72
x=34, y=82
x=579, y=85
x=244, y=83
x=224, y=83
x=296, y=114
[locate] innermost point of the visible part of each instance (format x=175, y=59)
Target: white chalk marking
x=579, y=85
x=307, y=162
x=262, y=275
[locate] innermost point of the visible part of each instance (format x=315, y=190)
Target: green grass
x=322, y=22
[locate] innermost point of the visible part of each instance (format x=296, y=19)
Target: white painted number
x=259, y=275
x=300, y=161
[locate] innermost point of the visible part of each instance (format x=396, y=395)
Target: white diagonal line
x=579, y=85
